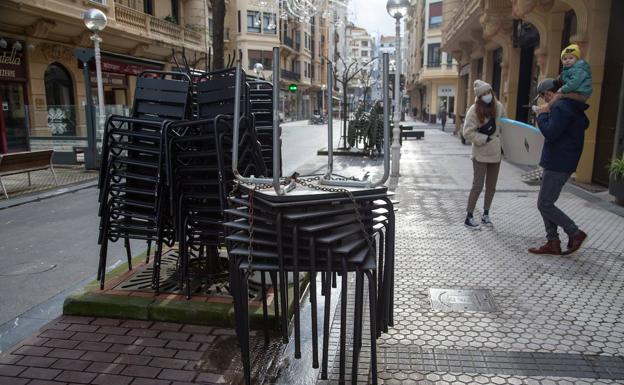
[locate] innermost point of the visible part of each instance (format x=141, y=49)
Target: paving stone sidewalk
x=558, y=320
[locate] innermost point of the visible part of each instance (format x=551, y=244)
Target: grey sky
x=372, y=15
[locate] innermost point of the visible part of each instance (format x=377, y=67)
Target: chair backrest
x=216, y=94
x=161, y=95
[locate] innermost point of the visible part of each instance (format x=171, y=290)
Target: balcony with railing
x=153, y=27
x=289, y=75
x=460, y=14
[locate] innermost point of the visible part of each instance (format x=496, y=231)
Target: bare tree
x=218, y=20
x=349, y=73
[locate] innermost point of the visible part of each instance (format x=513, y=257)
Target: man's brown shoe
x=575, y=242
x=550, y=248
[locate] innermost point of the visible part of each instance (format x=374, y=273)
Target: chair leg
x=357, y=325
x=53, y=175
x=149, y=249
x=4, y=189
x=128, y=252
x=29, y=180
x=283, y=278
x=245, y=328
x=328, y=276
x=372, y=289
x=276, y=301
x=343, y=323
x=265, y=310
x=380, y=269
x=315, y=361
x=296, y=293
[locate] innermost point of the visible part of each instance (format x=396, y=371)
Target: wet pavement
x=553, y=320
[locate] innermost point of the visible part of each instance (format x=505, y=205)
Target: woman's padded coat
x=483, y=151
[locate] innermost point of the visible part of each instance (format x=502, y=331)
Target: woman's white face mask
x=487, y=99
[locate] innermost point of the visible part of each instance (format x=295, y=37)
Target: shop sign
x=446, y=91
x=109, y=79
x=120, y=67
x=12, y=62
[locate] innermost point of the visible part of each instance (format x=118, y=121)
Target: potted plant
x=171, y=19
x=616, y=179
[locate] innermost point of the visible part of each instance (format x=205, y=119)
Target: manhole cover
x=462, y=300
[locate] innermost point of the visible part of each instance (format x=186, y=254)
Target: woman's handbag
x=488, y=128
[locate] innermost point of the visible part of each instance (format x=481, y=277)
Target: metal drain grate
x=462, y=300
x=217, y=285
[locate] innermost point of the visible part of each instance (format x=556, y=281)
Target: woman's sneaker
x=471, y=223
x=485, y=221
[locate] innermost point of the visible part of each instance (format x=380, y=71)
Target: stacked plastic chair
x=132, y=194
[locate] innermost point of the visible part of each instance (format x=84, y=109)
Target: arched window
x=60, y=100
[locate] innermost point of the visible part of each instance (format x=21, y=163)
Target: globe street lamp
x=95, y=21
x=258, y=68
x=397, y=9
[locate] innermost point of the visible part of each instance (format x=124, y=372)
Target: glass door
x=15, y=132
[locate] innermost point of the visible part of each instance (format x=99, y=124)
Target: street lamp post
x=95, y=21
x=323, y=88
x=397, y=9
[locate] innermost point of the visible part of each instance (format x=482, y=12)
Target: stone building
x=42, y=88
x=514, y=44
x=432, y=73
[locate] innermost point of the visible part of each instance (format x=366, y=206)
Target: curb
x=39, y=196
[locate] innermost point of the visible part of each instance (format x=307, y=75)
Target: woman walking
x=480, y=128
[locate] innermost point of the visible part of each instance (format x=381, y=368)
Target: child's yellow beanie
x=571, y=49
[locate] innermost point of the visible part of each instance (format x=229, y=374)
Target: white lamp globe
x=258, y=67
x=397, y=8
x=94, y=20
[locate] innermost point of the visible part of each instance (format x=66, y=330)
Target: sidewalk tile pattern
x=560, y=319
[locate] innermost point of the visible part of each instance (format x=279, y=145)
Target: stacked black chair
x=199, y=160
x=313, y=232
x=261, y=109
x=132, y=194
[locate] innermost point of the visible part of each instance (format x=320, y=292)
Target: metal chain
x=349, y=194
x=305, y=183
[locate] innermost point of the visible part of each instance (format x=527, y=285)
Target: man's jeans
x=552, y=183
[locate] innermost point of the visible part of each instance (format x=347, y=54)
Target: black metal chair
x=132, y=194
x=306, y=234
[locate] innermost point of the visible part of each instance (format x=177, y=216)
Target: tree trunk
x=345, y=117
x=218, y=20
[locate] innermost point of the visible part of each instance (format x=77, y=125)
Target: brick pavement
x=102, y=351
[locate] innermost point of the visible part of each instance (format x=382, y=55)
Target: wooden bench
x=409, y=132
x=20, y=162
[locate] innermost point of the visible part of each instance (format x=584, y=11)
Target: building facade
x=361, y=50
x=432, y=76
x=255, y=28
x=514, y=44
x=42, y=87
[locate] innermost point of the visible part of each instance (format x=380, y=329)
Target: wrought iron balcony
x=289, y=75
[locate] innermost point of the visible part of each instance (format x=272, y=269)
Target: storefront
x=13, y=114
x=118, y=78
